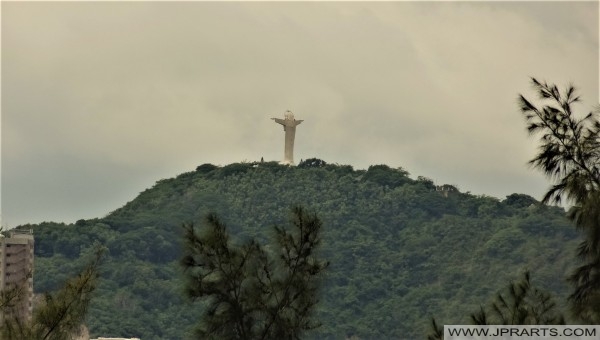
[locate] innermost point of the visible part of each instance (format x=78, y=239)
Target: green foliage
x=61, y=314
x=569, y=154
x=436, y=331
x=520, y=200
x=400, y=251
x=254, y=293
x=234, y=169
x=520, y=303
x=206, y=168
x=384, y=175
x=312, y=163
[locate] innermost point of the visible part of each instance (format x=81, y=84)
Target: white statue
x=289, y=126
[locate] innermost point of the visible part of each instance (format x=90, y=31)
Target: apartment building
x=16, y=273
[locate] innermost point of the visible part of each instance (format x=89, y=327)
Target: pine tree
x=569, y=154
x=62, y=313
x=520, y=303
x=251, y=291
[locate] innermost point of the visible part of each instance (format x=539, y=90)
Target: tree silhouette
x=520, y=303
x=437, y=331
x=569, y=154
x=255, y=292
x=61, y=314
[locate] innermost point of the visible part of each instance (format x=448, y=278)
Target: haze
x=102, y=99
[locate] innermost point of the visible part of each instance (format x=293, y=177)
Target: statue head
x=289, y=115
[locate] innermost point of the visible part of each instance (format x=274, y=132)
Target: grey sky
x=102, y=99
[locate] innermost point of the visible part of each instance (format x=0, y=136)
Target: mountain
x=401, y=249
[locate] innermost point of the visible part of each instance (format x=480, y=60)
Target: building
x=16, y=273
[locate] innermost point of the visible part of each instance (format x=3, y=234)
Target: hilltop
x=402, y=249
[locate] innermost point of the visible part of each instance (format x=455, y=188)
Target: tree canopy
x=569, y=154
x=255, y=292
x=400, y=250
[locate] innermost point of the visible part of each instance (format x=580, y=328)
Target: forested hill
x=401, y=248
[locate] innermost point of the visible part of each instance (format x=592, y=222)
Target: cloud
x=101, y=99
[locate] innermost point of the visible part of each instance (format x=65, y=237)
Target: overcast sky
x=102, y=99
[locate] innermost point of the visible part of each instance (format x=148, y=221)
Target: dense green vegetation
x=253, y=291
x=401, y=249
x=569, y=156
x=520, y=303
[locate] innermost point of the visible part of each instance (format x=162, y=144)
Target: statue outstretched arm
x=280, y=121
